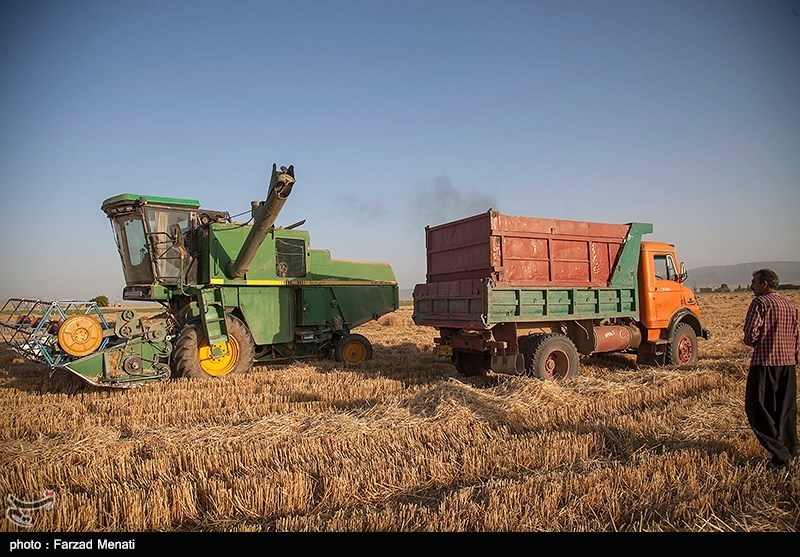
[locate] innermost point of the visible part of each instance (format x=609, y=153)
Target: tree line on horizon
x=739, y=288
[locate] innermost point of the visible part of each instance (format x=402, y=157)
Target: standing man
x=771, y=393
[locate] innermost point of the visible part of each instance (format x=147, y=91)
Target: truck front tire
x=682, y=350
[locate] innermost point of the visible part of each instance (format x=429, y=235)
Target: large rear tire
x=192, y=355
x=550, y=357
x=682, y=350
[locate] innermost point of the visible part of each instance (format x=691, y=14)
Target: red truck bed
x=524, y=251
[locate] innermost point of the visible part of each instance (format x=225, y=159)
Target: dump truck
x=229, y=295
x=525, y=295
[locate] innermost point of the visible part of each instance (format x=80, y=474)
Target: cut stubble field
x=402, y=443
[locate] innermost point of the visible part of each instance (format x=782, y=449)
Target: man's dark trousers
x=771, y=407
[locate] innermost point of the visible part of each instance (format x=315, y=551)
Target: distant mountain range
x=732, y=275
x=735, y=275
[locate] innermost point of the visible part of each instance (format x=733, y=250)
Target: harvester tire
x=191, y=356
x=550, y=357
x=352, y=350
x=682, y=349
x=471, y=364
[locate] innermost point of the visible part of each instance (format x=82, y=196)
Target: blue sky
x=396, y=115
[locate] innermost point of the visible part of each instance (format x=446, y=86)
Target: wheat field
x=403, y=443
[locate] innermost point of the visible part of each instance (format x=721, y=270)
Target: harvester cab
x=157, y=243
x=232, y=294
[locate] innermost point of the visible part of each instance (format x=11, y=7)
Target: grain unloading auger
x=232, y=295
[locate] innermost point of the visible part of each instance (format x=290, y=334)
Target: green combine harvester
x=232, y=295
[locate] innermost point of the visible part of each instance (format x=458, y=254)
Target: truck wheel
x=471, y=364
x=682, y=349
x=551, y=357
x=192, y=355
x=352, y=350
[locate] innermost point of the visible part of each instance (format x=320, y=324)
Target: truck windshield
x=166, y=229
x=132, y=247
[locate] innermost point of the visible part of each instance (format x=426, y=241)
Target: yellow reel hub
x=80, y=335
x=222, y=364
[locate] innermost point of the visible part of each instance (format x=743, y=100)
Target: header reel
x=76, y=336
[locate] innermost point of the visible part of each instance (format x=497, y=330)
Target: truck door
x=666, y=291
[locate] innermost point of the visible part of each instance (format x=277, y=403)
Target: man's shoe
x=775, y=464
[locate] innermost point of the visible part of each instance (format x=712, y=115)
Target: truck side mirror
x=684, y=273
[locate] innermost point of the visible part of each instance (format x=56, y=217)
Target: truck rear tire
x=682, y=349
x=192, y=355
x=471, y=364
x=550, y=357
x=352, y=350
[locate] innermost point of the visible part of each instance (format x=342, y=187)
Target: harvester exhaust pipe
x=264, y=215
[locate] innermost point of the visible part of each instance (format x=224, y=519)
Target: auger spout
x=264, y=215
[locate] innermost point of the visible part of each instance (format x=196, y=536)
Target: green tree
x=101, y=301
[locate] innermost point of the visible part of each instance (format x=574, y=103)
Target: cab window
x=665, y=268
x=164, y=225
x=132, y=246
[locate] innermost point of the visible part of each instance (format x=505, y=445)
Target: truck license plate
x=443, y=350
